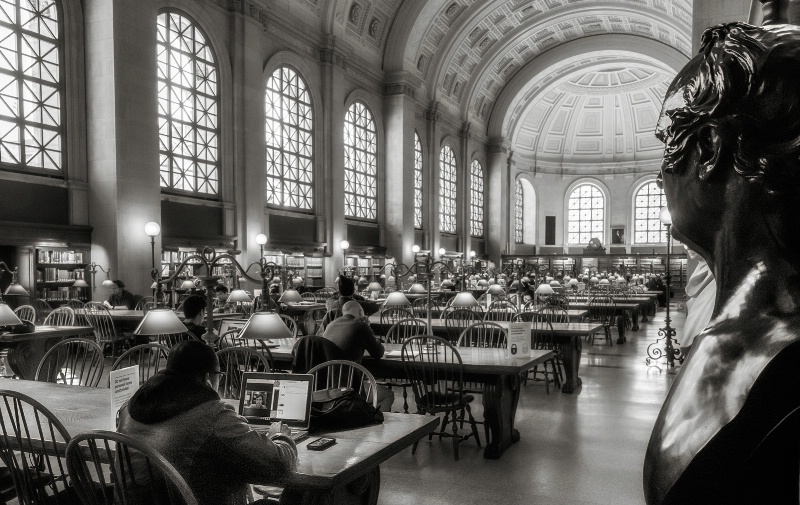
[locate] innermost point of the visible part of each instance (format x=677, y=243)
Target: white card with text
x=519, y=339
x=124, y=383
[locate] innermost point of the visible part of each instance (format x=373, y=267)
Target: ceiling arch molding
x=624, y=46
x=399, y=34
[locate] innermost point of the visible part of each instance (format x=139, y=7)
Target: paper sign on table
x=124, y=383
x=519, y=339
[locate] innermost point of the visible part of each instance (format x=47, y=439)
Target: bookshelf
x=308, y=266
x=57, y=269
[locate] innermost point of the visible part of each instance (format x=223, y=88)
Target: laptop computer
x=270, y=397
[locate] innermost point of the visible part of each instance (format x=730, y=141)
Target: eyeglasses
x=220, y=374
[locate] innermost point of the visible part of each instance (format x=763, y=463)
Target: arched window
x=476, y=199
x=586, y=215
x=31, y=86
x=188, y=110
x=417, y=182
x=519, y=214
x=647, y=227
x=447, y=190
x=289, y=127
x=360, y=163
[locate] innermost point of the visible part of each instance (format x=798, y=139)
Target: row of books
x=62, y=293
x=51, y=274
x=46, y=256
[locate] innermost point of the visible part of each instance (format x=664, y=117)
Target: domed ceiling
x=594, y=121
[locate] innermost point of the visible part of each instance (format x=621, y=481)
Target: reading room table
x=619, y=310
x=347, y=472
x=26, y=350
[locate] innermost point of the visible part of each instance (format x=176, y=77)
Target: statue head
x=731, y=128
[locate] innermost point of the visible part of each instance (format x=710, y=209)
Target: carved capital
x=433, y=114
x=333, y=57
x=464, y=133
x=496, y=148
x=400, y=88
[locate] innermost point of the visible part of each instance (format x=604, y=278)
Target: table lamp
x=396, y=298
x=544, y=290
x=160, y=321
x=417, y=289
x=483, y=283
x=464, y=300
x=374, y=288
x=7, y=316
x=262, y=325
x=447, y=284
x=496, y=290
x=555, y=284
x=290, y=296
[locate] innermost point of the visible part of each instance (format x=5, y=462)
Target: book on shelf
x=50, y=256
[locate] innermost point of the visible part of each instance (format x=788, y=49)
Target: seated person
x=352, y=334
x=120, y=297
x=194, y=308
x=180, y=414
x=347, y=292
x=221, y=298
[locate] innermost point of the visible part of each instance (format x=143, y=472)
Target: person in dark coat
x=120, y=297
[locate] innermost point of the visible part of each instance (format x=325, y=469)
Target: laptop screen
x=269, y=397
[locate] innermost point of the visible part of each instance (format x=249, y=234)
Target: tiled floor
x=579, y=449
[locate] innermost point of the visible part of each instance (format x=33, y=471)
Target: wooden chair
x=172, y=339
x=323, y=294
x=437, y=382
x=73, y=361
x=500, y=310
x=150, y=358
x=233, y=362
x=308, y=296
x=146, y=303
x=231, y=339
x=543, y=339
x=74, y=303
x=99, y=318
x=137, y=473
x=602, y=310
x=26, y=313
x=553, y=314
x=42, y=309
x=397, y=334
x=62, y=316
x=420, y=307
x=317, y=315
x=337, y=374
x=32, y=444
x=391, y=315
x=290, y=323
x=456, y=320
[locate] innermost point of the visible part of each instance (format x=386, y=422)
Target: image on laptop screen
x=270, y=397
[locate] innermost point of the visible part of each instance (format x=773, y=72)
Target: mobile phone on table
x=321, y=444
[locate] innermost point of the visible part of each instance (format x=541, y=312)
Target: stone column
x=465, y=188
x=497, y=202
x=432, y=117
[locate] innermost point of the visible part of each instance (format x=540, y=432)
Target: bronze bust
x=729, y=430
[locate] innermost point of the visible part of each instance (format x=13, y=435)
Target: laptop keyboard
x=296, y=435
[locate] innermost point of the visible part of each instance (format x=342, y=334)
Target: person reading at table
x=221, y=298
x=347, y=292
x=352, y=334
x=193, y=311
x=179, y=413
x=120, y=297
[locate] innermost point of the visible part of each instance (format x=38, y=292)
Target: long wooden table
x=26, y=350
x=347, y=472
x=619, y=311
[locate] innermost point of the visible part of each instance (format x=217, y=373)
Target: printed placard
x=124, y=383
x=519, y=339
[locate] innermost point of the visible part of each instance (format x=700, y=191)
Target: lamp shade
x=290, y=296
x=464, y=299
x=573, y=282
x=555, y=284
x=108, y=283
x=152, y=229
x=263, y=325
x=515, y=285
x=7, y=316
x=544, y=289
x=261, y=239
x=396, y=298
x=374, y=286
x=154, y=285
x=447, y=284
x=80, y=283
x=492, y=281
x=526, y=280
x=417, y=288
x=16, y=289
x=594, y=280
x=483, y=283
x=567, y=278
x=604, y=282
x=496, y=290
x=188, y=284
x=664, y=216
x=549, y=279
x=160, y=322
x=240, y=295
x=344, y=244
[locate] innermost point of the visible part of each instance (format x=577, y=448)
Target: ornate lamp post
x=152, y=229
x=654, y=350
x=13, y=289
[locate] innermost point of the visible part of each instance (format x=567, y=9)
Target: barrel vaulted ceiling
x=565, y=82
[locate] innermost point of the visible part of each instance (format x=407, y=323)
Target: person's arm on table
x=368, y=340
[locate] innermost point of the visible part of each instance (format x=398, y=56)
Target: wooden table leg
x=571, y=356
x=635, y=319
x=363, y=490
x=24, y=357
x=621, y=328
x=500, y=399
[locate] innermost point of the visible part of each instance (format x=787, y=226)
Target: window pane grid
x=187, y=107
x=360, y=164
x=31, y=95
x=519, y=213
x=585, y=215
x=447, y=190
x=647, y=227
x=476, y=199
x=289, y=141
x=417, y=182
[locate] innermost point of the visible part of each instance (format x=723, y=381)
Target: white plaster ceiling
x=593, y=119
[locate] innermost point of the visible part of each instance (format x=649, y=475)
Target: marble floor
x=579, y=449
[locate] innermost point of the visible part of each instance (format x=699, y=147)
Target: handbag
x=341, y=408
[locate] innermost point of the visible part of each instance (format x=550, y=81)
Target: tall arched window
x=360, y=163
x=586, y=215
x=289, y=127
x=447, y=190
x=476, y=199
x=519, y=214
x=417, y=182
x=647, y=227
x=188, y=115
x=31, y=86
